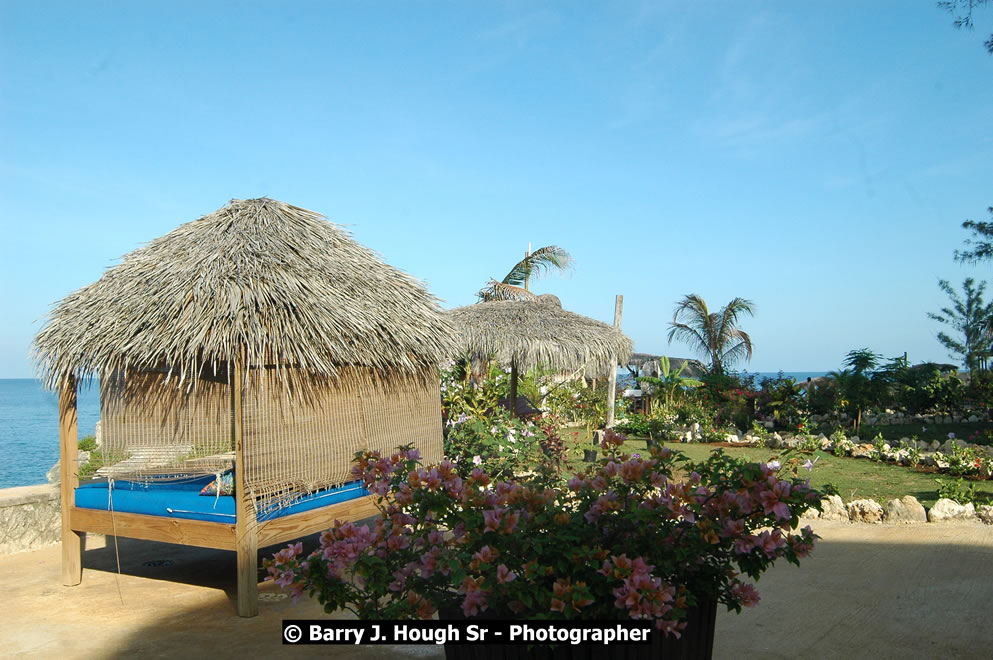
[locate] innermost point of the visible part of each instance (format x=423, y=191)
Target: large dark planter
x=696, y=643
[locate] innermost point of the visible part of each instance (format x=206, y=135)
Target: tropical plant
x=463, y=397
x=501, y=445
x=714, y=335
x=957, y=490
x=668, y=382
x=859, y=385
x=624, y=539
x=782, y=399
x=971, y=318
x=534, y=264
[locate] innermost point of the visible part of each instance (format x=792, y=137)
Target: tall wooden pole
x=72, y=546
x=246, y=528
x=612, y=385
x=513, y=387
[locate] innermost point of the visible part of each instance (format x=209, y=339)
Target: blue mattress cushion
x=182, y=499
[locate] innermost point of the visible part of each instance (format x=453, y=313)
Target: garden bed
x=854, y=479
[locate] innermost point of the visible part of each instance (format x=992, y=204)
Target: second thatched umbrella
x=525, y=334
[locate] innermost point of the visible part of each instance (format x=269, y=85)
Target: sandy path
x=868, y=592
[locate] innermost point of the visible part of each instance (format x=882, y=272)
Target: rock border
x=905, y=510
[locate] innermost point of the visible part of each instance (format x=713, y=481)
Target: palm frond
x=538, y=263
x=500, y=291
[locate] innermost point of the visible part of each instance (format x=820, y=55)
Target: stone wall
x=30, y=517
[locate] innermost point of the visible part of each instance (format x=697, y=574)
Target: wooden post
x=513, y=387
x=612, y=385
x=246, y=527
x=72, y=546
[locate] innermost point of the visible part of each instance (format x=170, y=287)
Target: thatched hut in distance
x=524, y=334
x=259, y=335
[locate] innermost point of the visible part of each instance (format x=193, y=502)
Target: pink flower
x=491, y=519
x=474, y=603
x=771, y=543
x=746, y=594
x=745, y=545
x=485, y=555
x=505, y=575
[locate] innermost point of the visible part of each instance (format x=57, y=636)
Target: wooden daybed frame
x=244, y=537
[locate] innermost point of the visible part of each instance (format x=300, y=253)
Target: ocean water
x=29, y=428
x=798, y=376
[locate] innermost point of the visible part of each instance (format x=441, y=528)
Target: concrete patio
x=868, y=592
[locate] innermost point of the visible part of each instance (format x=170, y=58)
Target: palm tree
x=972, y=318
x=859, y=384
x=714, y=335
x=515, y=285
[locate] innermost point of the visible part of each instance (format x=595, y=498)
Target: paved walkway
x=868, y=592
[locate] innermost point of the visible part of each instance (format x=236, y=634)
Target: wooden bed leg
x=248, y=571
x=246, y=526
x=72, y=557
x=72, y=547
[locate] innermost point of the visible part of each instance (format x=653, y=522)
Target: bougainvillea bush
x=623, y=539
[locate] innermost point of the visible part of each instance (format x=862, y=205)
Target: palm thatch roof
x=530, y=333
x=291, y=287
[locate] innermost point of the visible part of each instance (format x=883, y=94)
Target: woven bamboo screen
x=153, y=428
x=294, y=441
x=308, y=442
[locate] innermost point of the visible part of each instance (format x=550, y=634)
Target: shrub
x=624, y=539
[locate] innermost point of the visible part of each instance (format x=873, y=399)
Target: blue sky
x=817, y=158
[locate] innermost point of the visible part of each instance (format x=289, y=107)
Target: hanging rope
x=117, y=550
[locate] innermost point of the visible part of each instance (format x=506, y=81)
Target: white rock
x=946, y=509
x=985, y=513
x=812, y=514
x=54, y=475
x=832, y=508
x=865, y=511
x=973, y=419
x=905, y=510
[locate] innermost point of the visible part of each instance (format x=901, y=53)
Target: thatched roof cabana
x=524, y=334
x=541, y=332
x=290, y=287
x=260, y=338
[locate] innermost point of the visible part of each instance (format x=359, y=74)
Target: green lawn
x=854, y=478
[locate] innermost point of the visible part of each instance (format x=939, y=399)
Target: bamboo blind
x=297, y=440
